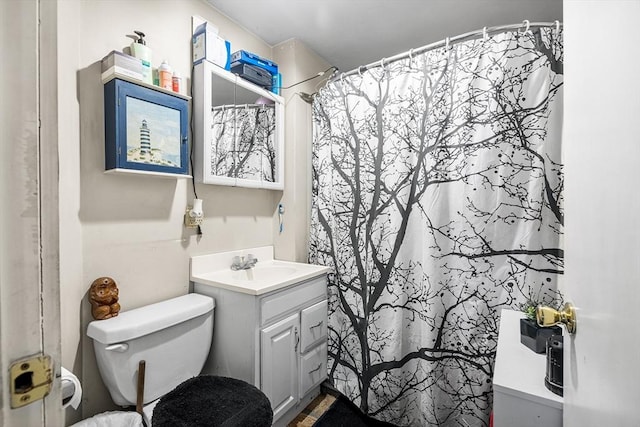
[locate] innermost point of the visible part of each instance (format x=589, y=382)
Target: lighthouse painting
x=145, y=139
x=153, y=133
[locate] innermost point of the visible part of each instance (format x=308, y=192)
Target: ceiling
x=350, y=33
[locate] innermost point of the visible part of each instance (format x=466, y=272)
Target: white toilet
x=173, y=337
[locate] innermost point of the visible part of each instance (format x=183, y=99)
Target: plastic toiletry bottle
x=165, y=75
x=176, y=82
x=140, y=50
x=156, y=78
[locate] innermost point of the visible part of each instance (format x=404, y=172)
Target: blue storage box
x=244, y=57
x=276, y=83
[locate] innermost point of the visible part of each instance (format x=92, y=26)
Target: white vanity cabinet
x=275, y=340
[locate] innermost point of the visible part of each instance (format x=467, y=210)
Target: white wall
x=130, y=228
x=297, y=63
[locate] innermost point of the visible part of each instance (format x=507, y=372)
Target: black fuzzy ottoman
x=213, y=401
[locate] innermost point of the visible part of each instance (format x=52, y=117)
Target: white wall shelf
x=108, y=76
x=119, y=171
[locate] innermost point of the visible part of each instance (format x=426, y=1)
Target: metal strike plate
x=30, y=379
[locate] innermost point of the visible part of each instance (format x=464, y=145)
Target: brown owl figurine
x=103, y=297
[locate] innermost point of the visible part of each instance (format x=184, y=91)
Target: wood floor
x=313, y=411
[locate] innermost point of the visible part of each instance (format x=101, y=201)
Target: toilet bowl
x=173, y=338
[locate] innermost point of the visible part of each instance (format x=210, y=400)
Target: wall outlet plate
x=191, y=222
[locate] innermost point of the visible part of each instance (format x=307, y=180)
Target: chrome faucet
x=243, y=263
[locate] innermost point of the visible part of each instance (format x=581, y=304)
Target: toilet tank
x=173, y=337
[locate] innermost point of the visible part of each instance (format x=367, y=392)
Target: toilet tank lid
x=150, y=318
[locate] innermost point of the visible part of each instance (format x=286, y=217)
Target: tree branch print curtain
x=437, y=201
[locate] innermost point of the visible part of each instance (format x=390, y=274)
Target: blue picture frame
x=146, y=130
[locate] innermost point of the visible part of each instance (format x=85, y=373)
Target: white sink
x=265, y=271
x=267, y=275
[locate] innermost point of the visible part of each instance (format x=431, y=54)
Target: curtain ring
x=526, y=24
x=360, y=71
x=342, y=78
x=485, y=34
x=411, y=54
x=557, y=27
x=382, y=63
x=446, y=43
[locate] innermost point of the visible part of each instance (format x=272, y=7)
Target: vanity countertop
x=268, y=274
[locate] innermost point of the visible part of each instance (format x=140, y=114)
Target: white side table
x=520, y=397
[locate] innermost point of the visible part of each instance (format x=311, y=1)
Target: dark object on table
x=553, y=379
x=535, y=337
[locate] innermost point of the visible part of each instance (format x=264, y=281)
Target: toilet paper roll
x=71, y=389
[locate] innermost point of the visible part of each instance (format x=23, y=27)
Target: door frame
x=29, y=220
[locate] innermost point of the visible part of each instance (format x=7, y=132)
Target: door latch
x=31, y=379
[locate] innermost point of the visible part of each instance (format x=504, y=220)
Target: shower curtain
x=437, y=201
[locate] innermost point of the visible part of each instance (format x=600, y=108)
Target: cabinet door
x=238, y=138
x=313, y=368
x=279, y=364
x=313, y=325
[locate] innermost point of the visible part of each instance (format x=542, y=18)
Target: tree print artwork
x=437, y=201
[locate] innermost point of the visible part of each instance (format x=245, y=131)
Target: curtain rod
x=484, y=32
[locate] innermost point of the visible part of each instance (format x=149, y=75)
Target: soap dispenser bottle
x=140, y=50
